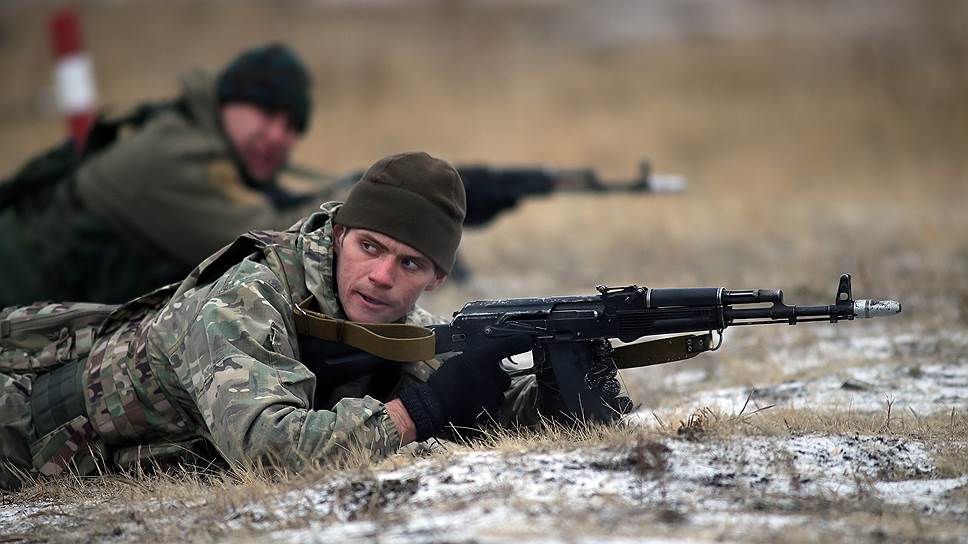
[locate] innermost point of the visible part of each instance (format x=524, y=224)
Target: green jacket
x=225, y=354
x=141, y=213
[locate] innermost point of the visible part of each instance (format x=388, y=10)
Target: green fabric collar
x=198, y=90
x=316, y=244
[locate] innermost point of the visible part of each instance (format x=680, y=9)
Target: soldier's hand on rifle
x=601, y=377
x=489, y=192
x=464, y=390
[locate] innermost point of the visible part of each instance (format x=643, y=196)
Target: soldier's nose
x=278, y=129
x=382, y=273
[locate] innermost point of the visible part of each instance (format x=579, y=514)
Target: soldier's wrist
x=401, y=418
x=422, y=406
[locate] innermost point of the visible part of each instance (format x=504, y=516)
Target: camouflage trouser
x=45, y=345
x=16, y=429
x=50, y=441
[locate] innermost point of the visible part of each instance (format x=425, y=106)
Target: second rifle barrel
x=710, y=296
x=781, y=312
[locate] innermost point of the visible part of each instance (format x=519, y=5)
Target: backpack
x=56, y=163
x=38, y=338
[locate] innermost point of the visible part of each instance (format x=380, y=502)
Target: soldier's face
x=262, y=139
x=378, y=278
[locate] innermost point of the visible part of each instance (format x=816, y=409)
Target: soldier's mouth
x=264, y=162
x=370, y=300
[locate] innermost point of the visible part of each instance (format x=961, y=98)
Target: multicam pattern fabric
x=234, y=352
x=43, y=335
x=71, y=447
x=217, y=358
x=123, y=397
x=15, y=428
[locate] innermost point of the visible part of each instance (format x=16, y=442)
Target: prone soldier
x=155, y=192
x=215, y=365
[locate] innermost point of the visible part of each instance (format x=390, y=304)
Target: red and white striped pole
x=73, y=75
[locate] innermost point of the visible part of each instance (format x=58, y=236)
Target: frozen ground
x=650, y=490
x=688, y=487
x=923, y=389
x=674, y=489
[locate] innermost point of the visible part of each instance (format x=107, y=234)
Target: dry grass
x=239, y=504
x=809, y=153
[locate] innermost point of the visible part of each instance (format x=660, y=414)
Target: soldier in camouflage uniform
x=215, y=364
x=144, y=211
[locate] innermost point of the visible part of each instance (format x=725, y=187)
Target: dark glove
x=462, y=388
x=601, y=377
x=491, y=191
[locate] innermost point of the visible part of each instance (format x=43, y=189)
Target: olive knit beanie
x=272, y=77
x=413, y=198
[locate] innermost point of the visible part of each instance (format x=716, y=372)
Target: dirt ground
x=817, y=138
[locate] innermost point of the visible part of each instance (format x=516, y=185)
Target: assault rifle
x=492, y=190
x=563, y=330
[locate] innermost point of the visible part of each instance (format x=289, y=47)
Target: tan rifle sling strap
x=663, y=350
x=392, y=341
x=410, y=343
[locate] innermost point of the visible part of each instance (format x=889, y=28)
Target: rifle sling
x=410, y=343
x=663, y=350
x=392, y=341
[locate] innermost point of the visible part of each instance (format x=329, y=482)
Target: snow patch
x=924, y=389
x=748, y=484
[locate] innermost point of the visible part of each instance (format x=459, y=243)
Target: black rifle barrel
x=790, y=312
x=709, y=296
x=697, y=297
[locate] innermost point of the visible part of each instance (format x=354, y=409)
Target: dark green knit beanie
x=272, y=77
x=413, y=198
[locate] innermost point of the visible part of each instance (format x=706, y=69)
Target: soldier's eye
x=368, y=247
x=412, y=264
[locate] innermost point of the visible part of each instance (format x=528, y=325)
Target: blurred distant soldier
x=139, y=210
x=154, y=192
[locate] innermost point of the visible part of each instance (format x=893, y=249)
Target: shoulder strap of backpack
x=56, y=163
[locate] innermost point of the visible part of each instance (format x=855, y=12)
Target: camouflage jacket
x=143, y=212
x=220, y=361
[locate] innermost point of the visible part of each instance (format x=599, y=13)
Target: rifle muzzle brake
x=865, y=308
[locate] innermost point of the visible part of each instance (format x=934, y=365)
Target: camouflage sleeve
x=180, y=190
x=254, y=396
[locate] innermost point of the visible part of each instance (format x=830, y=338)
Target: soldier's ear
x=338, y=232
x=439, y=278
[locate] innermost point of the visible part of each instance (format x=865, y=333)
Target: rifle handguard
x=663, y=350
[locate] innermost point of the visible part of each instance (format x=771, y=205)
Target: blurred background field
x=817, y=137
